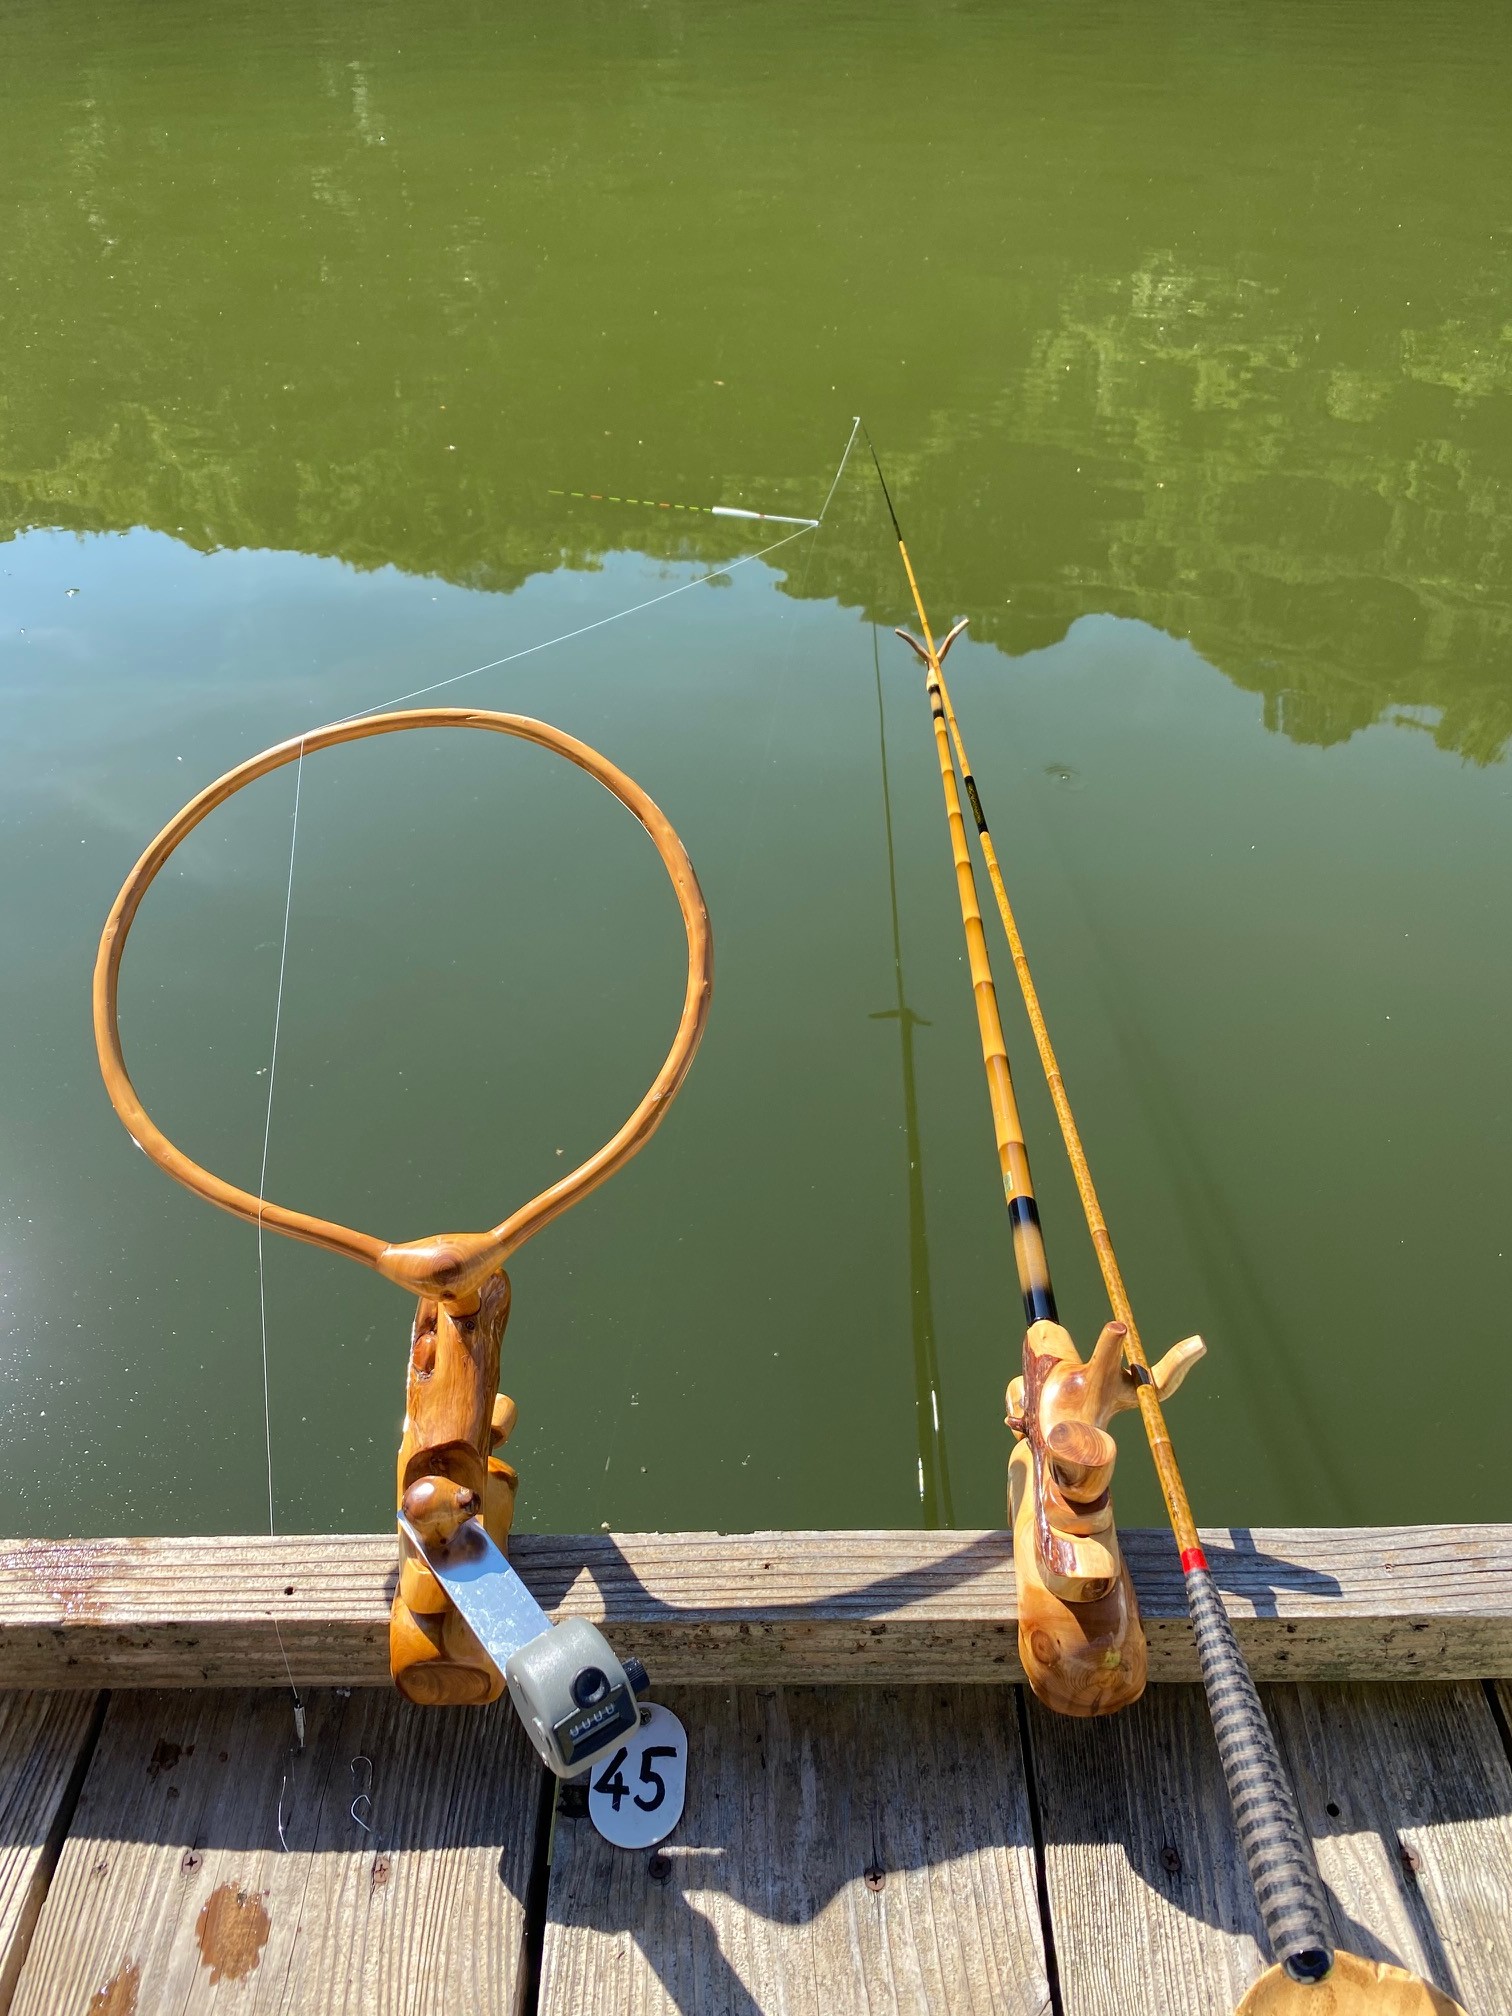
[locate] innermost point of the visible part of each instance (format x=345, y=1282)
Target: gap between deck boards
x=997, y=1843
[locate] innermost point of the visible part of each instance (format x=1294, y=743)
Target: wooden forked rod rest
x=1080, y=1638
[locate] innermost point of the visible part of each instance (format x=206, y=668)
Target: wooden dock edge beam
x=1332, y=1603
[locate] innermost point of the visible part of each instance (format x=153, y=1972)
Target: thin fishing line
x=634, y=609
x=382, y=706
x=299, y=1707
x=262, y=1180
x=283, y=960
x=262, y=1276
x=779, y=679
x=638, y=1332
x=808, y=565
x=566, y=637
x=855, y=425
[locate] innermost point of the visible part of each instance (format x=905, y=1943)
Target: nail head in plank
x=1407, y=1793
x=756, y=1609
x=173, y=1884
x=843, y=1850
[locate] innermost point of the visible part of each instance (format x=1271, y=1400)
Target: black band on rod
x=1039, y=1296
x=886, y=493
x=1039, y=1305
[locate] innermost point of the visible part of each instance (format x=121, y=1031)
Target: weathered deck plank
x=173, y=1889
x=752, y=1609
x=44, y=1743
x=1407, y=1793
x=844, y=1850
x=1149, y=1902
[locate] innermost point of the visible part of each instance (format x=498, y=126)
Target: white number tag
x=635, y=1797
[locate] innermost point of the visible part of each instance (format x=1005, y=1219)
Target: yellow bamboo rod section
x=1182, y=1523
x=1008, y=1129
x=1272, y=1837
x=1172, y=1487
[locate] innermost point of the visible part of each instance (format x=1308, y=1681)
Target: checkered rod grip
x=1281, y=1864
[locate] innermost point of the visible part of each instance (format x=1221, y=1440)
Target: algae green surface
x=1187, y=337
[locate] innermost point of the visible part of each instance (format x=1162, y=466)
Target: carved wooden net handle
x=451, y=1265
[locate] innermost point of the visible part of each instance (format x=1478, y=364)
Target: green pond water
x=1186, y=335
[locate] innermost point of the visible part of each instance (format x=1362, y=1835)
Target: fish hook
x=364, y=1797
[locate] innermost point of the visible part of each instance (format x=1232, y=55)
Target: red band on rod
x=1192, y=1557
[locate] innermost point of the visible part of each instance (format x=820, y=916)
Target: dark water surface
x=1187, y=333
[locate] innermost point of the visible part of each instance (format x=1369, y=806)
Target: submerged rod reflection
x=935, y=1499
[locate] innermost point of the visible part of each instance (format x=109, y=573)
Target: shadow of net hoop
x=455, y=1416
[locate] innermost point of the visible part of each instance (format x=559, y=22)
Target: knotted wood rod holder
x=455, y=1416
x=1080, y=1639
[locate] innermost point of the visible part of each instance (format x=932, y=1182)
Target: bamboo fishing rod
x=1013, y=1155
x=1277, y=1851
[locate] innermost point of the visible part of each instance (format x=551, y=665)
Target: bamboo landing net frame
x=451, y=1265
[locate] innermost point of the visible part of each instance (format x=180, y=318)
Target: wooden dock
x=880, y=1818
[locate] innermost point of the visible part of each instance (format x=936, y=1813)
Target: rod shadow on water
x=934, y=1465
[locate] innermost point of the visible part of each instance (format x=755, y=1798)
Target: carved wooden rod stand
x=454, y=1419
x=1080, y=1638
x=455, y=1416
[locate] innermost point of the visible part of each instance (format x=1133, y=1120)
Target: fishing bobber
x=1080, y=1638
